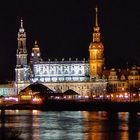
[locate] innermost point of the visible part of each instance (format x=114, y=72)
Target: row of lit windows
x=59, y=72
x=134, y=77
x=119, y=85
x=72, y=87
x=59, y=67
x=134, y=72
x=55, y=79
x=113, y=78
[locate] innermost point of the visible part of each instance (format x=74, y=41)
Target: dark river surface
x=69, y=125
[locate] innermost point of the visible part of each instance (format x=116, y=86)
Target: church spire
x=21, y=66
x=21, y=50
x=36, y=45
x=21, y=29
x=21, y=39
x=21, y=23
x=96, y=33
x=96, y=48
x=96, y=20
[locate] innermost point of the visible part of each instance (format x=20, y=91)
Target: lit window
x=38, y=54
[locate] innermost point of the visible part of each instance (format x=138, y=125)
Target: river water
x=69, y=125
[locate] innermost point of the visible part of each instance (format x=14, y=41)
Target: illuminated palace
x=84, y=77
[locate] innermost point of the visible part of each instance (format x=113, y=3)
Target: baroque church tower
x=21, y=70
x=96, y=48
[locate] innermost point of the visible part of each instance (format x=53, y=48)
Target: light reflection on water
x=70, y=125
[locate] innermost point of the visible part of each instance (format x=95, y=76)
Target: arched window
x=66, y=72
x=59, y=72
x=80, y=72
x=45, y=72
x=72, y=72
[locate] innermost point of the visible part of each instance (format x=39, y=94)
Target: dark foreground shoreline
x=79, y=106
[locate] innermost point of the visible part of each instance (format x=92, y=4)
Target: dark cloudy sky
x=64, y=28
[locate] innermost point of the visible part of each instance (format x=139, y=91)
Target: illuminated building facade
x=86, y=77
x=117, y=80
x=56, y=71
x=123, y=80
x=83, y=76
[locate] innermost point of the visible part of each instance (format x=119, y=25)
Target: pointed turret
x=96, y=49
x=21, y=29
x=96, y=20
x=96, y=33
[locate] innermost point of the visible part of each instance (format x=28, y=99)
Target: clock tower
x=96, y=49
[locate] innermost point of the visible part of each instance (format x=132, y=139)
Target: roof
x=45, y=91
x=37, y=87
x=70, y=92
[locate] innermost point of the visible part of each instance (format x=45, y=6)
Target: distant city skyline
x=64, y=29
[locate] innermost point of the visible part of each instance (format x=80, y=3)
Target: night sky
x=63, y=28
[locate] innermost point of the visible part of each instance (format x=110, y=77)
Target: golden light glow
x=36, y=100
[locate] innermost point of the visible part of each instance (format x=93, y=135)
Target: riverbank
x=79, y=106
